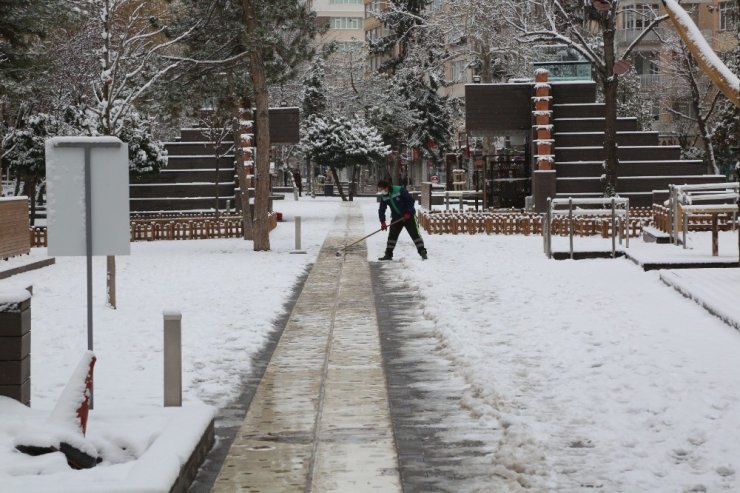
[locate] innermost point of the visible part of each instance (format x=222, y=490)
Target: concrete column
x=298, y=236
x=172, y=359
x=15, y=345
x=543, y=187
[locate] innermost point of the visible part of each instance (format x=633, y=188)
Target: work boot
x=388, y=256
x=423, y=253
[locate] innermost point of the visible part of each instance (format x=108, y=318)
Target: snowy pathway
x=319, y=420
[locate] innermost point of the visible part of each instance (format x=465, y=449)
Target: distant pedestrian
x=298, y=181
x=402, y=216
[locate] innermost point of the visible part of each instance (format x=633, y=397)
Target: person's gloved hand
x=383, y=226
x=406, y=216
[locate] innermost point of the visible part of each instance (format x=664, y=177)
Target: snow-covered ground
x=597, y=373
x=229, y=297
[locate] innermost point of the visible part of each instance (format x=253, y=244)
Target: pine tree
x=339, y=142
x=24, y=151
x=416, y=54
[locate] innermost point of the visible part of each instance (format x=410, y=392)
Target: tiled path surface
x=319, y=420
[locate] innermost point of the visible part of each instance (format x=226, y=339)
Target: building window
x=345, y=2
x=346, y=22
x=455, y=36
x=727, y=16
x=639, y=16
x=458, y=71
x=372, y=35
x=372, y=9
x=348, y=46
x=646, y=63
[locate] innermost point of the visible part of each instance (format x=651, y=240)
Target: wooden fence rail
x=520, y=224
x=172, y=228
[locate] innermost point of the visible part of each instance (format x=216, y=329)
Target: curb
x=25, y=268
x=189, y=470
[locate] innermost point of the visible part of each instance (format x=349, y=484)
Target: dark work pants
x=395, y=231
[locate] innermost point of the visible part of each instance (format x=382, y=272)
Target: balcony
x=650, y=81
x=627, y=36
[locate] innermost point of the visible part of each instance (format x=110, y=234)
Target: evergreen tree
x=401, y=20
x=24, y=151
x=417, y=71
x=314, y=94
x=339, y=142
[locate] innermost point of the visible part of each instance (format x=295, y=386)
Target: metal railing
x=685, y=199
x=619, y=210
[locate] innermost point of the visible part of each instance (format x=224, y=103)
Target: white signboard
x=65, y=189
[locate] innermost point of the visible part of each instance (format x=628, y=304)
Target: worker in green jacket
x=401, y=204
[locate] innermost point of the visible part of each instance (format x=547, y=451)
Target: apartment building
x=344, y=19
x=716, y=19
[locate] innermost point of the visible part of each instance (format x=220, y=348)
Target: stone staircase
x=188, y=183
x=645, y=167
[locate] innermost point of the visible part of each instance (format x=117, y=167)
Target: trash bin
x=328, y=190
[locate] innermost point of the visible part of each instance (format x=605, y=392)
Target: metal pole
x=544, y=232
x=548, y=219
x=627, y=220
x=570, y=224
x=298, y=232
x=674, y=214
x=614, y=230
x=88, y=253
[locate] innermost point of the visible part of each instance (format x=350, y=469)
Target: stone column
x=543, y=176
x=15, y=345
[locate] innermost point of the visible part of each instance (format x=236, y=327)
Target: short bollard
x=298, y=236
x=172, y=359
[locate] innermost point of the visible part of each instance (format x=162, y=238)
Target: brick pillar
x=15, y=345
x=543, y=176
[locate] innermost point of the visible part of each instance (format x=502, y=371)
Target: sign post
x=82, y=172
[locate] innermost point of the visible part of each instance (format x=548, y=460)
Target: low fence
x=696, y=222
x=13, y=225
x=521, y=224
x=175, y=228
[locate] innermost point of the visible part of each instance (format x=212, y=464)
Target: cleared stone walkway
x=319, y=421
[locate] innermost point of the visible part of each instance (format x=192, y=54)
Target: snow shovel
x=339, y=252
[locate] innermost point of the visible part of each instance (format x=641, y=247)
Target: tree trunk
x=610, y=84
x=352, y=182
x=336, y=181
x=29, y=190
x=262, y=133
x=218, y=169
